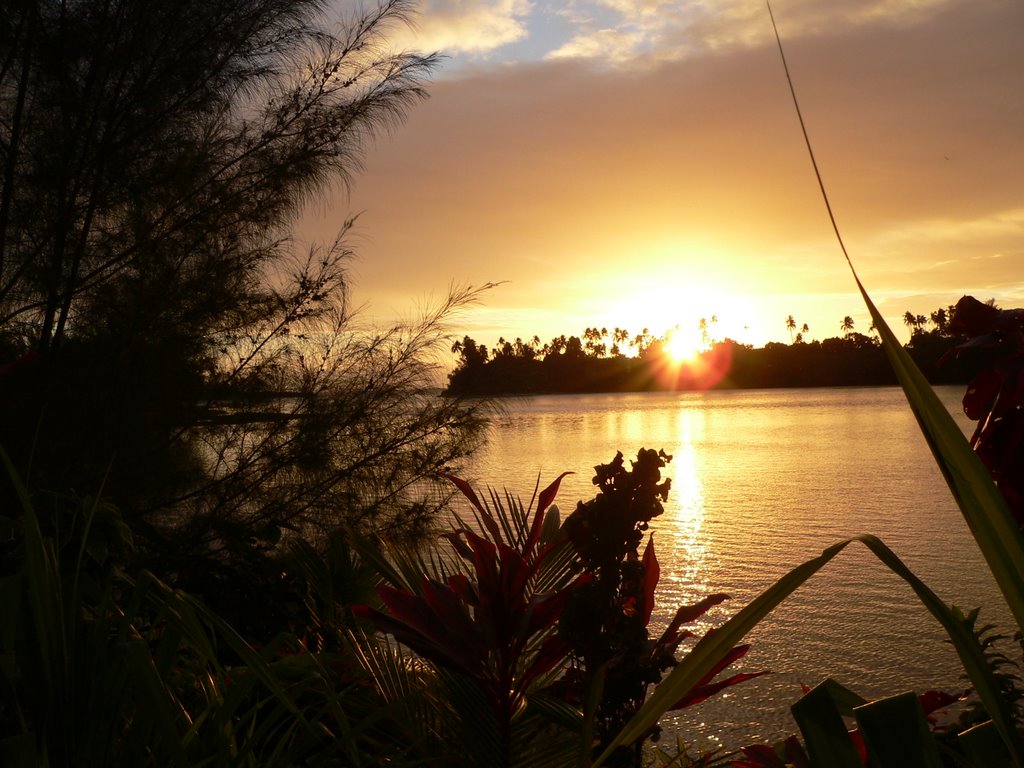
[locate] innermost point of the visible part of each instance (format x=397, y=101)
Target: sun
x=683, y=346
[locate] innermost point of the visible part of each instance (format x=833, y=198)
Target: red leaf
x=408, y=608
x=735, y=654
x=543, y=502
x=933, y=700
x=437, y=625
x=973, y=318
x=796, y=754
x=858, y=744
x=491, y=525
x=485, y=563
x=981, y=393
x=551, y=653
x=687, y=613
x=699, y=693
x=704, y=687
x=443, y=651
x=455, y=538
x=515, y=575
x=467, y=491
x=449, y=609
x=464, y=588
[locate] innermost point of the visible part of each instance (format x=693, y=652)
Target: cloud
x=644, y=31
x=566, y=179
x=465, y=26
x=610, y=45
x=963, y=232
x=636, y=33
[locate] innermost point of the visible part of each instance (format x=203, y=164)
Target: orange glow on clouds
x=671, y=206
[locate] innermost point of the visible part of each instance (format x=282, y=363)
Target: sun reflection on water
x=679, y=533
x=761, y=481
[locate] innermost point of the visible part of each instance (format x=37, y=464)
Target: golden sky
x=639, y=163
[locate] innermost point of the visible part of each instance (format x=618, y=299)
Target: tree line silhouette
x=600, y=360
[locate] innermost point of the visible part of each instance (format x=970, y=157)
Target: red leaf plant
x=995, y=398
x=491, y=626
x=496, y=623
x=606, y=620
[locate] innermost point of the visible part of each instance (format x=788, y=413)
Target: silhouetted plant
x=100, y=669
x=486, y=623
x=606, y=620
x=995, y=397
x=508, y=689
x=189, y=354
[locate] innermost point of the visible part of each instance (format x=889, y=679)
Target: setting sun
x=544, y=320
x=684, y=346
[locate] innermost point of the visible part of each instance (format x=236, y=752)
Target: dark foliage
x=162, y=337
x=851, y=360
x=995, y=397
x=605, y=621
x=490, y=624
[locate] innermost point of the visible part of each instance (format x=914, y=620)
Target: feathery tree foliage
x=162, y=333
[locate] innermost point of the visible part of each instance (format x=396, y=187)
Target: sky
x=639, y=163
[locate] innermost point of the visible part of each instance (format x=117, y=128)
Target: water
x=762, y=481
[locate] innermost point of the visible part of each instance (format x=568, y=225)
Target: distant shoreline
x=853, y=361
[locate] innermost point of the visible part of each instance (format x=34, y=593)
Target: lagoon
x=763, y=480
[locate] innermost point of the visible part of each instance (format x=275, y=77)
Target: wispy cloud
x=610, y=45
x=993, y=227
x=638, y=31
x=465, y=26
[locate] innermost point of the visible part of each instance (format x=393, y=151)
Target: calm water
x=761, y=481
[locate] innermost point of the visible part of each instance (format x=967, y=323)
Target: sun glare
x=683, y=346
x=677, y=308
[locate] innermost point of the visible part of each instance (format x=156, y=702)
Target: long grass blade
x=715, y=645
x=980, y=502
x=966, y=644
